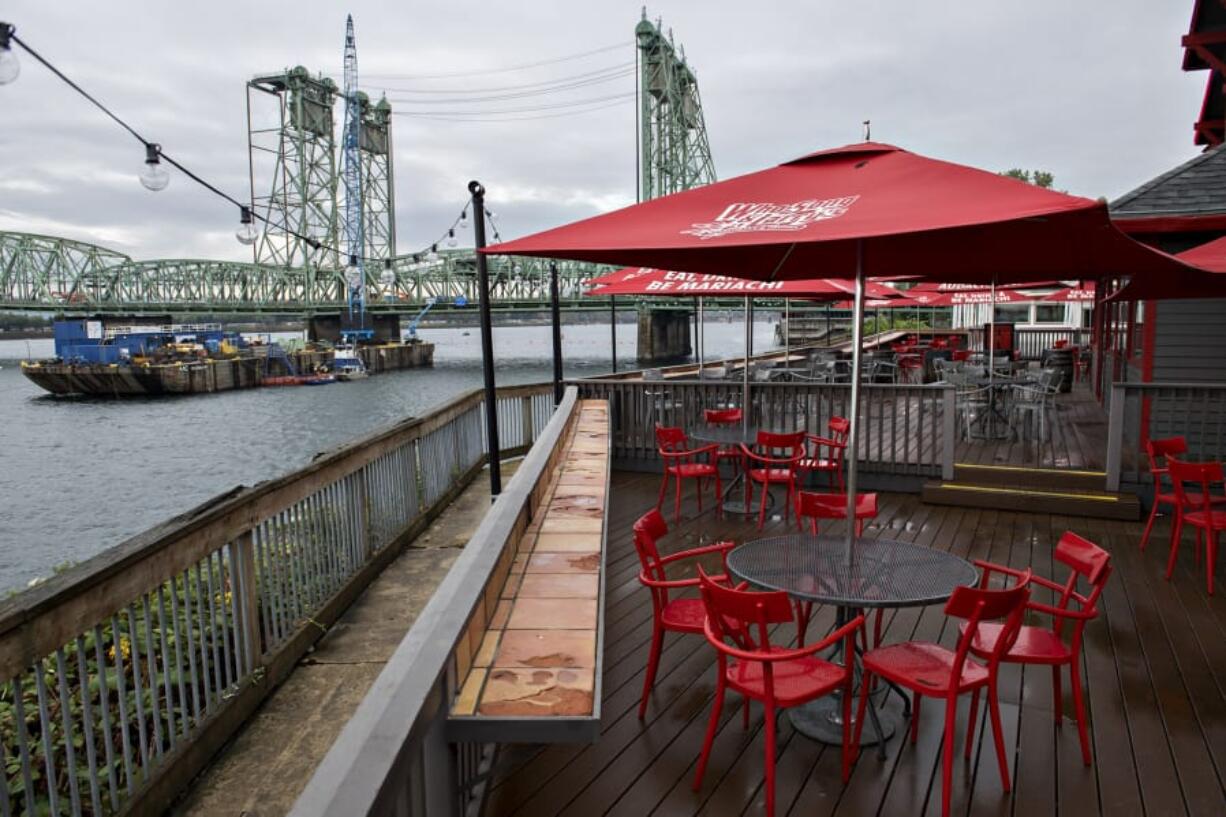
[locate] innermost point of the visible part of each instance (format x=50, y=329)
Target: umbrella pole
x=827, y=338
x=787, y=333
x=745, y=370
x=613, y=328
x=699, y=338
x=853, y=437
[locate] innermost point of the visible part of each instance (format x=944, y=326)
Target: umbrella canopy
x=1209, y=258
x=893, y=212
x=977, y=296
x=1081, y=294
x=649, y=281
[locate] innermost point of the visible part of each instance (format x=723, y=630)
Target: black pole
x=556, y=311
x=828, y=323
x=487, y=339
x=613, y=328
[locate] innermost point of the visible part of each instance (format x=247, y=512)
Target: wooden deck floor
x=1077, y=439
x=1155, y=664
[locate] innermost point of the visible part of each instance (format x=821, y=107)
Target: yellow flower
x=125, y=647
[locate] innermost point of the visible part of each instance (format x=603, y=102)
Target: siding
x=1190, y=341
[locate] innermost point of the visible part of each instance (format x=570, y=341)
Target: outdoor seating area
x=1110, y=712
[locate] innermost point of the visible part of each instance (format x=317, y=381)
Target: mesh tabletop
x=884, y=573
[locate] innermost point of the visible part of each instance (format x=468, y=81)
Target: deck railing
x=1139, y=412
x=122, y=676
x=906, y=430
x=1031, y=341
x=395, y=756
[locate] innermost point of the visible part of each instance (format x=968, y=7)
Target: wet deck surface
x=1154, y=663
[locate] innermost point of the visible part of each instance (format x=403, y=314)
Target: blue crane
x=355, y=272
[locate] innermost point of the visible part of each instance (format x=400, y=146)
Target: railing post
x=1115, y=436
x=949, y=430
x=525, y=407
x=249, y=603
x=368, y=541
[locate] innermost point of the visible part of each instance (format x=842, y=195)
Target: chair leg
x=1200, y=545
x=677, y=501
x=1079, y=706
x=770, y=758
x=866, y=680
x=719, y=496
x=663, y=490
x=803, y=610
x=1210, y=554
x=698, y=490
x=766, y=489
x=716, y=707
x=1149, y=525
x=745, y=713
x=998, y=735
x=970, y=724
x=847, y=696
x=947, y=755
x=1057, y=695
x=916, y=700
x=653, y=664
x=1175, y=534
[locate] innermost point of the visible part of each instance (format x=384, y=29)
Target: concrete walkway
x=261, y=772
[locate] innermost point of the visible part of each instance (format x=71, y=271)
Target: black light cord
x=243, y=208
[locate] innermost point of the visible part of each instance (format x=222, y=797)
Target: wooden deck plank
x=1155, y=669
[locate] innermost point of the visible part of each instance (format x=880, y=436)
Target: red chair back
x=1084, y=560
x=1060, y=344
x=1201, y=474
x=743, y=616
x=960, y=355
x=723, y=417
x=976, y=605
x=1159, y=452
x=670, y=438
x=954, y=341
x=647, y=532
x=790, y=442
x=840, y=428
x=815, y=506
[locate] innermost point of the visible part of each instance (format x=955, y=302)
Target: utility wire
x=553, y=106
x=557, y=80
x=572, y=86
x=438, y=118
x=506, y=69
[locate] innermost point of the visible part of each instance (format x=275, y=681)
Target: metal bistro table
x=883, y=574
x=988, y=422
x=725, y=435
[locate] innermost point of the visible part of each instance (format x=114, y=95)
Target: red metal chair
x=930, y=670
x=826, y=454
x=814, y=506
x=726, y=417
x=911, y=367
x=669, y=614
x=1159, y=453
x=960, y=355
x=777, y=676
x=1047, y=645
x=773, y=460
x=1196, y=508
x=681, y=462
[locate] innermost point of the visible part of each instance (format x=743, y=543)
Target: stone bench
x=529, y=665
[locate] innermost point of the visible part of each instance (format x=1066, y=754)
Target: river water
x=78, y=475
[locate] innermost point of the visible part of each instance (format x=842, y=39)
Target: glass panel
x=1013, y=313
x=1049, y=313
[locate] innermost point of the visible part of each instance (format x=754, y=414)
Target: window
x=1012, y=313
x=1049, y=313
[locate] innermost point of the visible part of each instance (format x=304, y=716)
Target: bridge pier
x=664, y=334
x=328, y=327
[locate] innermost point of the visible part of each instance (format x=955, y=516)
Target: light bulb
x=154, y=177
x=451, y=239
x=464, y=220
x=492, y=215
x=353, y=275
x=10, y=68
x=246, y=232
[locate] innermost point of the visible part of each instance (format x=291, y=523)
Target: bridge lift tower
x=674, y=153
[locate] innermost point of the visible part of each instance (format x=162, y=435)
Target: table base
x=822, y=719
x=738, y=506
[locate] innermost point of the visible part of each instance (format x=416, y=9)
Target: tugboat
x=347, y=364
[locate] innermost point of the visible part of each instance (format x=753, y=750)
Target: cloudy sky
x=1090, y=90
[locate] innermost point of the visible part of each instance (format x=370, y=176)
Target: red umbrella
x=977, y=296
x=1210, y=258
x=933, y=286
x=869, y=207
x=1081, y=294
x=649, y=281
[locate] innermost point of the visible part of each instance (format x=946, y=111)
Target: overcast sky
x=1090, y=90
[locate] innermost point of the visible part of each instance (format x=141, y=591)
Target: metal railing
x=120, y=677
x=1030, y=341
x=395, y=756
x=906, y=430
x=1138, y=412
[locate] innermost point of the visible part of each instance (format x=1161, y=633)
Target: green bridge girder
x=50, y=274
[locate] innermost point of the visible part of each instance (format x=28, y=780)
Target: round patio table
x=884, y=573
x=726, y=435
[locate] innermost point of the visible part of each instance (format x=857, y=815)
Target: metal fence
x=1030, y=342
x=905, y=430
x=1139, y=412
x=120, y=677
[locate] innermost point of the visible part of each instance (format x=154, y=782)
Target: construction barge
x=147, y=359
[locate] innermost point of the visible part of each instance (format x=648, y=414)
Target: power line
x=530, y=109
x=437, y=118
x=505, y=69
x=557, y=89
x=586, y=74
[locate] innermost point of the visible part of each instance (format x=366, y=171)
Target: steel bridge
x=295, y=268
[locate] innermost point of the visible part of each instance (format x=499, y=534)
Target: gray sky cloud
x=1091, y=91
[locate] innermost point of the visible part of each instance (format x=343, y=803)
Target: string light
x=154, y=177
x=246, y=233
x=451, y=239
x=10, y=67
